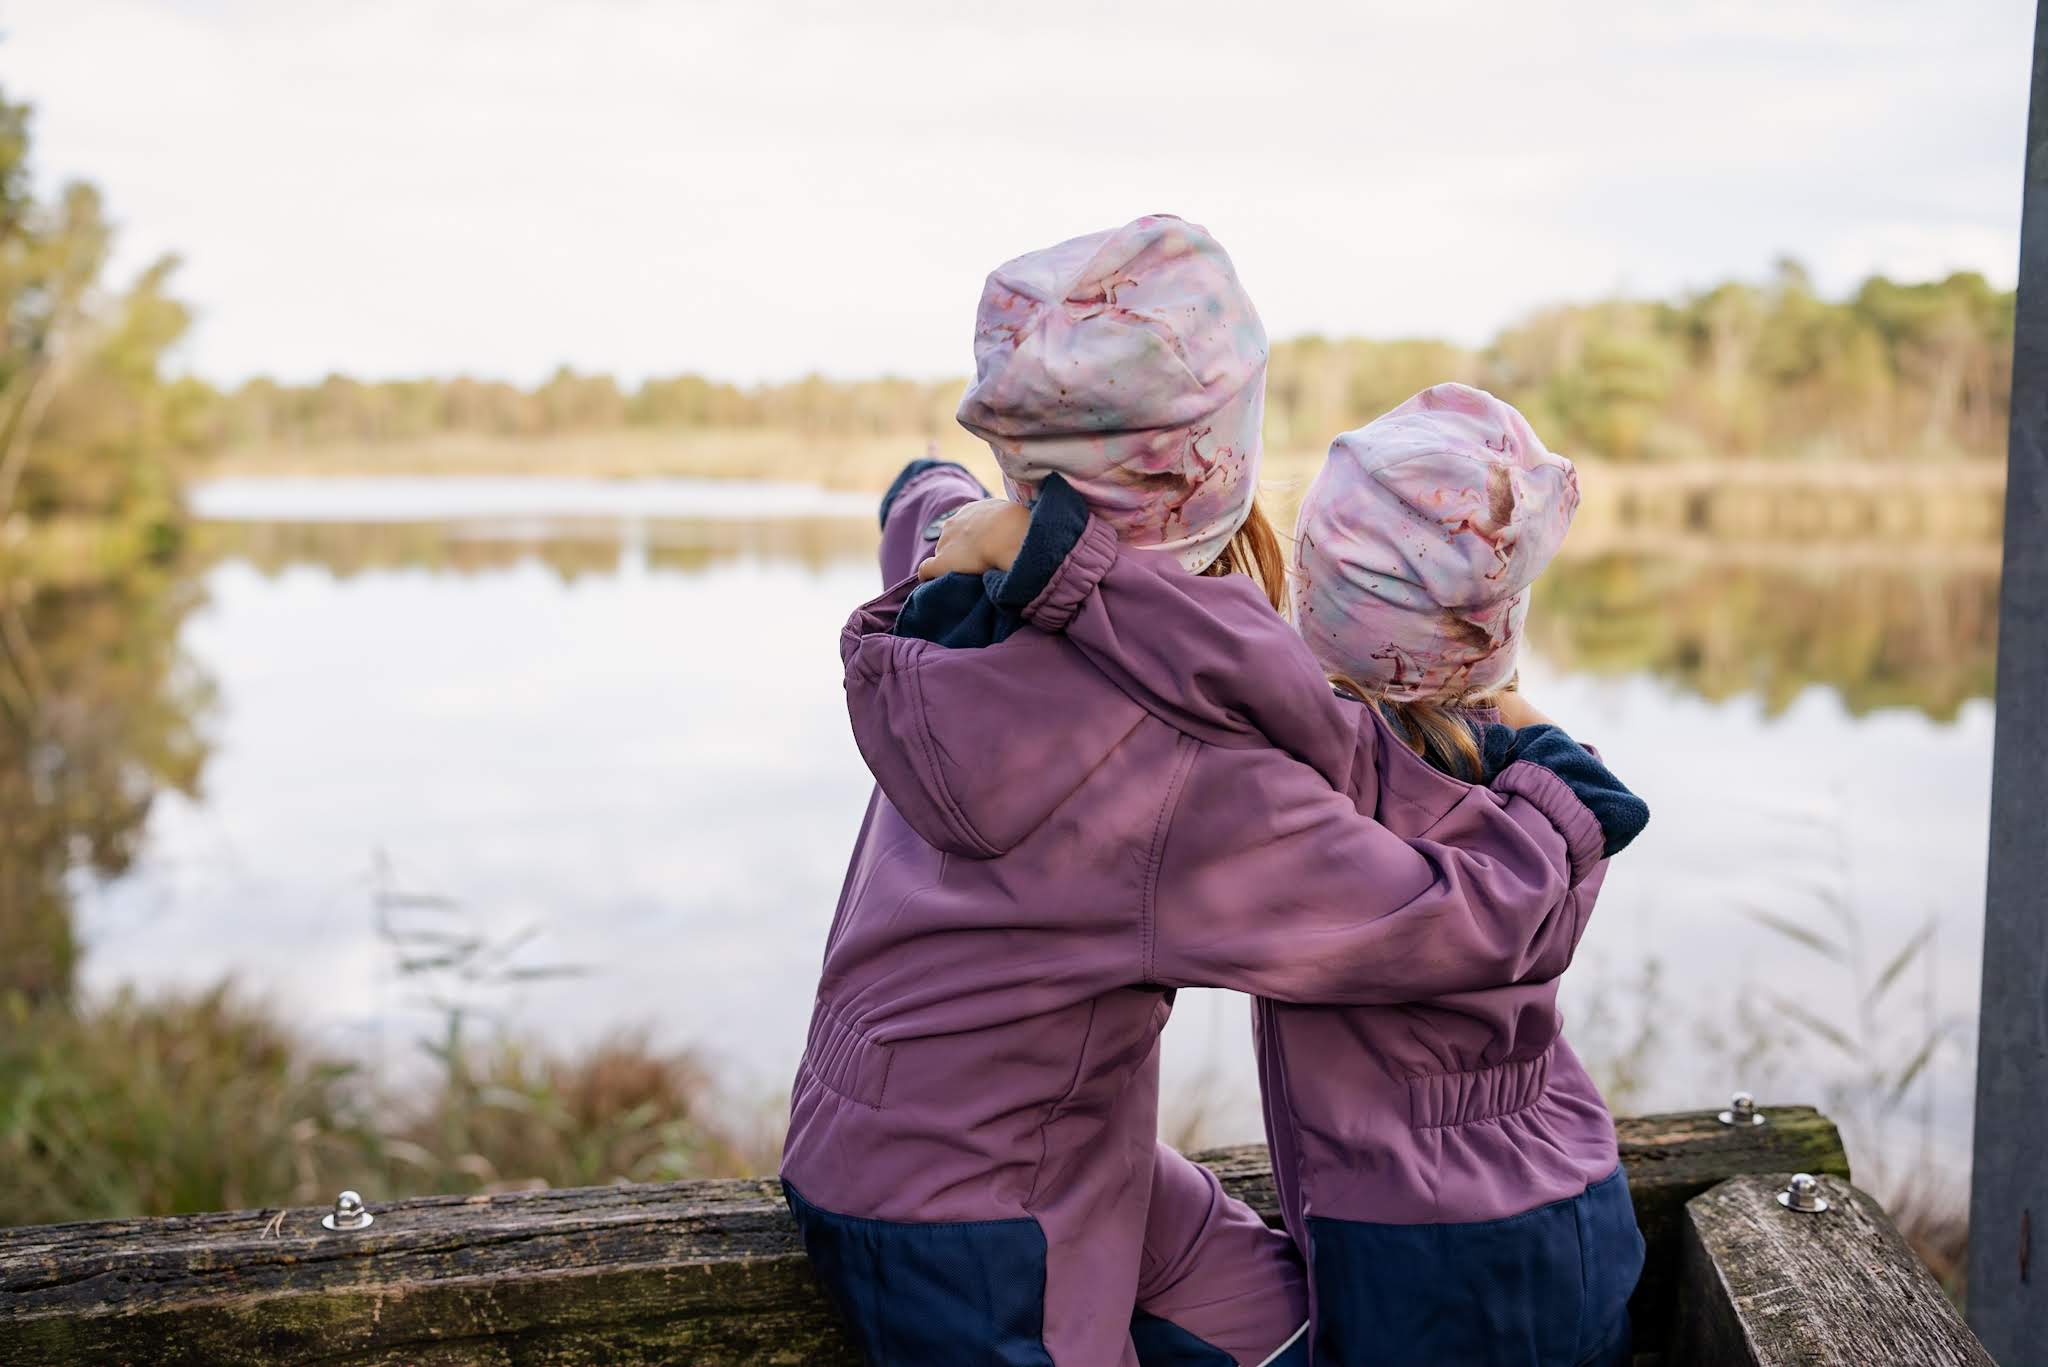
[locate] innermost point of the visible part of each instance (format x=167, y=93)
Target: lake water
x=599, y=726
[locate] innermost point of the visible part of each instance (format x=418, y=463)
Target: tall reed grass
x=208, y=1101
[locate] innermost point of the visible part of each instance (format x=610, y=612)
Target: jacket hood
x=977, y=748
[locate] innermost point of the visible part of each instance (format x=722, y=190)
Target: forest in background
x=1755, y=371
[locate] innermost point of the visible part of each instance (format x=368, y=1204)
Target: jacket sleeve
x=1621, y=813
x=1271, y=883
x=925, y=491
x=1212, y=657
x=876, y=617
x=1207, y=654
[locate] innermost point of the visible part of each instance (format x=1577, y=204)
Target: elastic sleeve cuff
x=876, y=617
x=1552, y=796
x=920, y=467
x=1621, y=814
x=1075, y=579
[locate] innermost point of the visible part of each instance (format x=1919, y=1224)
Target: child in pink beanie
x=1418, y=543
x=1442, y=1159
x=1131, y=363
x=1072, y=822
x=1448, y=1168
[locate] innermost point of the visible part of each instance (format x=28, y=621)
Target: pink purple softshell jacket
x=1448, y=1108
x=1116, y=800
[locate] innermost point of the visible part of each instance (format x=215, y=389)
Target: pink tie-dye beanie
x=1132, y=363
x=1418, y=542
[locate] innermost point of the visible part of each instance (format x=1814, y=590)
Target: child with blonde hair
x=1444, y=1163
x=1065, y=832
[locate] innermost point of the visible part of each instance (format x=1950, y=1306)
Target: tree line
x=96, y=716
x=1770, y=370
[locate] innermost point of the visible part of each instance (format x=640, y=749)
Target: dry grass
x=1710, y=507
x=1937, y=1226
x=206, y=1101
x=835, y=462
x=198, y=1102
x=864, y=463
x=509, y=1115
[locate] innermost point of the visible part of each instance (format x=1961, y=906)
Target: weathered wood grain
x=690, y=1272
x=1673, y=1158
x=702, y=1273
x=1762, y=1286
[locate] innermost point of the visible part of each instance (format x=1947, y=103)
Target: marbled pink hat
x=1132, y=363
x=1418, y=542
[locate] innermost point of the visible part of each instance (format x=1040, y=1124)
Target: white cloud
x=762, y=189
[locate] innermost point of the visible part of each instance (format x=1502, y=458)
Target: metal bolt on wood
x=1742, y=1111
x=1803, y=1195
x=349, y=1213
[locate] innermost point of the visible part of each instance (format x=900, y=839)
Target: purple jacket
x=1432, y=1108
x=1450, y=1109
x=1076, y=819
x=1447, y=1108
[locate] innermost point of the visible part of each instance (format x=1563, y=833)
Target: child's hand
x=1515, y=711
x=981, y=536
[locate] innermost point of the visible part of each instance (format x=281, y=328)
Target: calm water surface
x=495, y=729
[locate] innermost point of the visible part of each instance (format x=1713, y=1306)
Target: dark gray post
x=2008, y=1298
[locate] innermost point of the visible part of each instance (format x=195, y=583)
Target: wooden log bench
x=709, y=1274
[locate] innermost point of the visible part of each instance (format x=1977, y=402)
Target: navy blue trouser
x=1548, y=1288
x=940, y=1294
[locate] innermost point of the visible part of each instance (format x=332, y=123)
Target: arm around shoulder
x=1270, y=882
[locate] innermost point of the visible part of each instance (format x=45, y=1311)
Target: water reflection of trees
x=100, y=712
x=1883, y=626
x=1880, y=632
x=116, y=721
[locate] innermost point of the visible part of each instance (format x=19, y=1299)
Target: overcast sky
x=759, y=189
